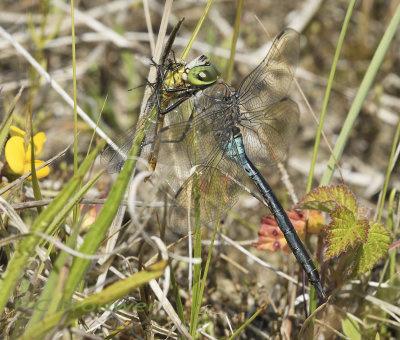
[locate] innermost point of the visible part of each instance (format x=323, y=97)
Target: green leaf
x=329, y=198
x=317, y=199
x=345, y=230
x=351, y=328
x=376, y=247
x=344, y=196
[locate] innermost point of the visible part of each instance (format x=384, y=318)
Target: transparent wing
x=270, y=80
x=197, y=153
x=199, y=147
x=115, y=159
x=205, y=111
x=268, y=133
x=217, y=187
x=196, y=129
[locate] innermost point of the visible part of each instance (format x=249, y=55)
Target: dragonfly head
x=200, y=72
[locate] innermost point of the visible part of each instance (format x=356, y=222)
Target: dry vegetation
x=108, y=67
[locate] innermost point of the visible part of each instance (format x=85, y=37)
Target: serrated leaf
x=317, y=199
x=326, y=206
x=344, y=231
x=344, y=196
x=351, y=328
x=329, y=198
x=376, y=246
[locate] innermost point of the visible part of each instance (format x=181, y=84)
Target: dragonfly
x=215, y=138
x=176, y=81
x=170, y=91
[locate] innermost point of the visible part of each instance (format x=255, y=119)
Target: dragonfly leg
x=172, y=106
x=175, y=105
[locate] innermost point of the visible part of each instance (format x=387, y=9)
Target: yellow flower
x=18, y=154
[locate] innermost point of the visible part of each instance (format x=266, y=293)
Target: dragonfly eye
x=203, y=75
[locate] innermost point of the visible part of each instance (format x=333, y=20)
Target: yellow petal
x=38, y=141
x=15, y=154
x=15, y=131
x=43, y=172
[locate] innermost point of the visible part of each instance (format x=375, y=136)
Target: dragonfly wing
x=216, y=182
x=177, y=161
x=193, y=135
x=217, y=192
x=199, y=113
x=270, y=80
x=114, y=159
x=267, y=134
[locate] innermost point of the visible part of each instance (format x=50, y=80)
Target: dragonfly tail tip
x=320, y=290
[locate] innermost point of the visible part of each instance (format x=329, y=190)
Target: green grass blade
x=25, y=249
x=389, y=170
x=361, y=95
x=392, y=210
x=196, y=30
x=35, y=184
x=196, y=297
x=248, y=322
x=207, y=266
x=53, y=227
x=97, y=300
x=177, y=296
x=328, y=92
x=234, y=41
x=47, y=297
x=5, y=125
x=74, y=93
x=99, y=229
x=198, y=290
